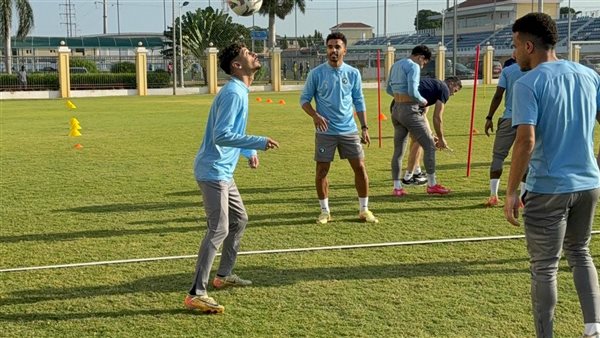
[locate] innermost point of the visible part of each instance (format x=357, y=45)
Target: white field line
x=276, y=251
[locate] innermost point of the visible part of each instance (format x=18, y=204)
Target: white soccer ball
x=244, y=7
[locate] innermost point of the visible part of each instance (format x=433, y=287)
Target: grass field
x=130, y=193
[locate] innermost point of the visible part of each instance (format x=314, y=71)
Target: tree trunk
x=271, y=31
x=8, y=53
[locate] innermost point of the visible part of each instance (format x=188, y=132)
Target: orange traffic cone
x=258, y=99
x=269, y=101
x=281, y=101
x=78, y=146
x=382, y=117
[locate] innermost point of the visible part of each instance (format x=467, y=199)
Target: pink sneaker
x=399, y=192
x=492, y=202
x=438, y=189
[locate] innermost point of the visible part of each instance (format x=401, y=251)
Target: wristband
x=364, y=128
x=489, y=118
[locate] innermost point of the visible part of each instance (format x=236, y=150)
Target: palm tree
x=279, y=8
x=25, y=14
x=206, y=28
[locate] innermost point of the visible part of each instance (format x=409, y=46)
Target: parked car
x=78, y=70
x=429, y=69
x=496, y=68
x=463, y=72
x=592, y=62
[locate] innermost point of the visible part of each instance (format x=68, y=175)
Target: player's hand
x=320, y=122
x=271, y=144
x=511, y=209
x=364, y=137
x=489, y=125
x=423, y=103
x=253, y=162
x=441, y=144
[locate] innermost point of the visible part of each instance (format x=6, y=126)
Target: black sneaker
x=422, y=174
x=414, y=181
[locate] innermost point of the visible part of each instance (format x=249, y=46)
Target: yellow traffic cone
x=74, y=132
x=71, y=105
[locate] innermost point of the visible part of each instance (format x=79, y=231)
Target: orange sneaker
x=203, y=304
x=492, y=201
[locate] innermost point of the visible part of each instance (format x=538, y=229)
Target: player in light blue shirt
x=224, y=140
x=555, y=107
x=336, y=87
x=505, y=133
x=408, y=117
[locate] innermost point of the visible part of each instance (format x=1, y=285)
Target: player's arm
x=225, y=133
x=358, y=100
x=521, y=154
x=413, y=77
x=438, y=124
x=496, y=100
x=310, y=88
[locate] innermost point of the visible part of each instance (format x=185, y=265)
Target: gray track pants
x=554, y=223
x=226, y=220
x=407, y=118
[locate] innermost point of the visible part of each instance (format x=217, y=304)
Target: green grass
x=130, y=193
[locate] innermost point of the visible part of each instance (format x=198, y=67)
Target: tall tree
x=279, y=8
x=25, y=17
x=424, y=22
x=566, y=10
x=205, y=26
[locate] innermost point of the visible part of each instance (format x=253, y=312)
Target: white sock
x=397, y=184
x=363, y=202
x=494, y=184
x=324, y=205
x=591, y=328
x=431, y=180
x=418, y=170
x=408, y=175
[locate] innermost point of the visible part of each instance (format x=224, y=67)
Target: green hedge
x=49, y=81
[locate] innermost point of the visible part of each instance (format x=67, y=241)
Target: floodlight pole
x=569, y=50
x=455, y=39
x=174, y=44
x=181, y=80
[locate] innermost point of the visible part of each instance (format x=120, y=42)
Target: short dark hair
x=227, y=54
x=454, y=80
x=337, y=35
x=540, y=26
x=422, y=50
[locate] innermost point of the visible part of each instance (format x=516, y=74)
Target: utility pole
x=104, y=15
x=454, y=47
x=69, y=15
x=385, y=18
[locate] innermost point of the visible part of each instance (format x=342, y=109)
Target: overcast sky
x=150, y=15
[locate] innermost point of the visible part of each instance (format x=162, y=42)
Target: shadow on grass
x=267, y=276
x=130, y=207
x=69, y=236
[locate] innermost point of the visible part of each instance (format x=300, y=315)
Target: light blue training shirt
x=335, y=91
x=404, y=78
x=225, y=136
x=507, y=80
x=561, y=99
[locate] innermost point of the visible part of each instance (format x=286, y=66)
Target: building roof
x=472, y=3
x=104, y=41
x=347, y=25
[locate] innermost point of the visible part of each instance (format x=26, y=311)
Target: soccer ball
x=244, y=7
